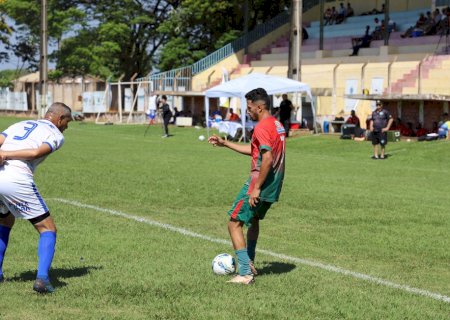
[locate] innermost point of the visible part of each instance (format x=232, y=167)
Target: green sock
x=242, y=258
x=251, y=249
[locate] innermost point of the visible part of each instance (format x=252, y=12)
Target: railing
x=180, y=79
x=441, y=3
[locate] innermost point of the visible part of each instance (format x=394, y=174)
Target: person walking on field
x=262, y=188
x=166, y=114
x=285, y=113
x=23, y=146
x=380, y=122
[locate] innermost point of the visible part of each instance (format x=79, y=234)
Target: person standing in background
x=285, y=113
x=166, y=115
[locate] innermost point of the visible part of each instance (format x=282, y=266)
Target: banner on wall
x=13, y=100
x=351, y=87
x=93, y=102
x=128, y=96
x=141, y=99
x=376, y=87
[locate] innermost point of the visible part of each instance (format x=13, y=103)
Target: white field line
x=310, y=263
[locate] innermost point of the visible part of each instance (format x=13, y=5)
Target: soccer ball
x=223, y=264
x=201, y=138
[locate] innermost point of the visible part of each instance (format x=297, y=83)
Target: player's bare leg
x=237, y=238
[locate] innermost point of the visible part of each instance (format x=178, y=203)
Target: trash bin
x=393, y=136
x=326, y=127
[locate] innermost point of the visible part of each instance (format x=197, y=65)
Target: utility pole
x=43, y=63
x=295, y=42
x=386, y=22
x=321, y=11
x=246, y=16
x=295, y=49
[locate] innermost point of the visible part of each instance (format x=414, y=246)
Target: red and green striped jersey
x=269, y=135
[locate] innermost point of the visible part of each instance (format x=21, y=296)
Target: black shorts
x=379, y=137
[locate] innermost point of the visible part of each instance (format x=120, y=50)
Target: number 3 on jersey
x=27, y=130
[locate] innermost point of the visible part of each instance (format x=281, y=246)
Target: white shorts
x=21, y=197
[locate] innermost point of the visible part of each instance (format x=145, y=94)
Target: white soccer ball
x=223, y=264
x=201, y=138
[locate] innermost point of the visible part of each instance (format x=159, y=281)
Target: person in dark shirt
x=363, y=42
x=380, y=122
x=285, y=113
x=166, y=114
x=353, y=119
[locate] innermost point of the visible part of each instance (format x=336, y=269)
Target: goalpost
x=127, y=100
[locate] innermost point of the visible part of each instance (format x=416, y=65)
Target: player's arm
x=266, y=163
x=219, y=142
x=26, y=154
x=389, y=124
x=371, y=125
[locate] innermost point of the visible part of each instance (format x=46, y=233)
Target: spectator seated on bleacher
x=327, y=17
x=342, y=14
x=418, y=29
x=374, y=11
x=350, y=12
x=430, y=25
x=334, y=15
x=363, y=42
x=442, y=26
x=378, y=27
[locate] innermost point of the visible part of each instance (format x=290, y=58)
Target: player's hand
x=384, y=130
x=216, y=141
x=254, y=197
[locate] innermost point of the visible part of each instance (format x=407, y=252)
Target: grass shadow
x=56, y=275
x=275, y=268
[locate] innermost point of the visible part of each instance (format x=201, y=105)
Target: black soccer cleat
x=2, y=278
x=43, y=286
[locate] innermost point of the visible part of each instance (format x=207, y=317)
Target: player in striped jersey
x=23, y=146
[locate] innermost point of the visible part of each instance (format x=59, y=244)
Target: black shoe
x=375, y=158
x=43, y=286
x=2, y=278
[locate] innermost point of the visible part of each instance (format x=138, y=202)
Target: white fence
x=16, y=101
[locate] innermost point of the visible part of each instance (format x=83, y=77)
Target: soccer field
x=140, y=219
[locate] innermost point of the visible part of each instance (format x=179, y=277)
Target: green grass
x=387, y=219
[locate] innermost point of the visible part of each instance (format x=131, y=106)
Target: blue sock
x=251, y=249
x=242, y=257
x=46, y=251
x=4, y=238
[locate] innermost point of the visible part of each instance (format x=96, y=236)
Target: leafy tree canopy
x=111, y=38
x=199, y=27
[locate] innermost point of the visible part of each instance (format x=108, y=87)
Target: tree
x=63, y=16
x=199, y=27
x=122, y=38
x=5, y=33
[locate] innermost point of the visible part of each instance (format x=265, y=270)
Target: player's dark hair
x=164, y=97
x=259, y=94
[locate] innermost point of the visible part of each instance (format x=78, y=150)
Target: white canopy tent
x=240, y=86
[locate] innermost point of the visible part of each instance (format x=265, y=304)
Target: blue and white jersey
x=30, y=134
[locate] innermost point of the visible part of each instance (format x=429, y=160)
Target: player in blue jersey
x=23, y=146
